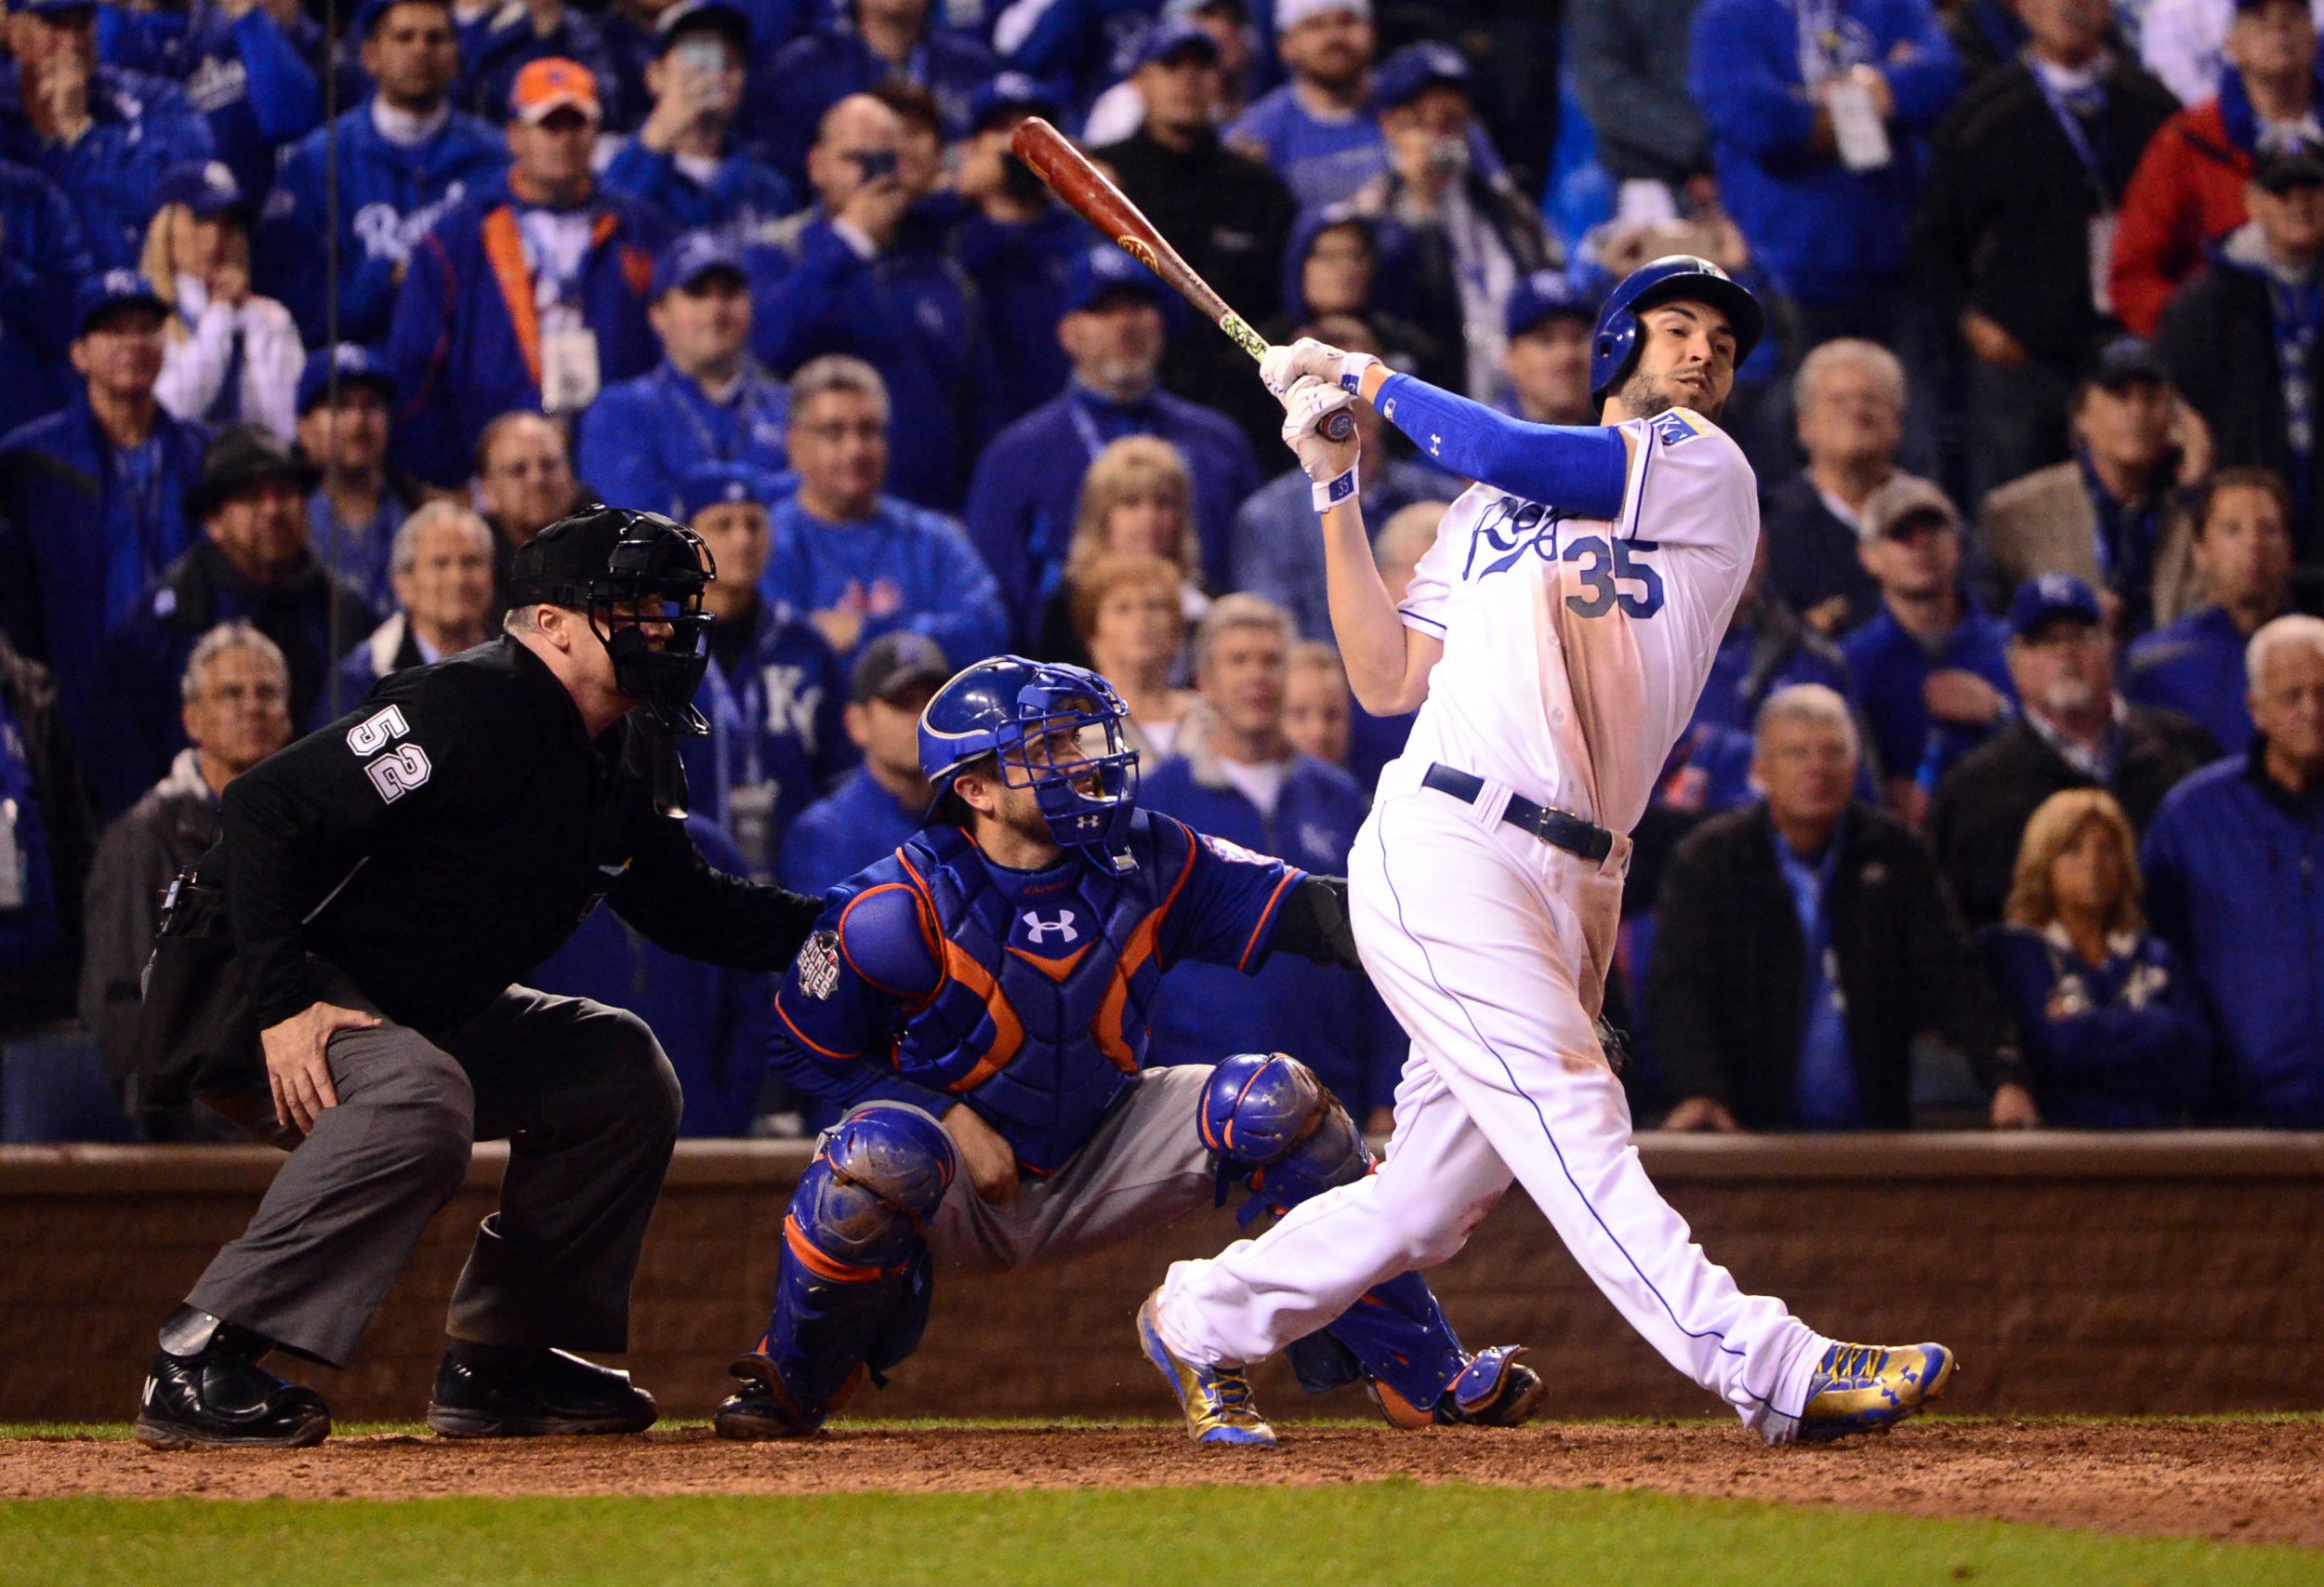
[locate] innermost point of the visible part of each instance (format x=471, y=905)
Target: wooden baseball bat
x=1085, y=189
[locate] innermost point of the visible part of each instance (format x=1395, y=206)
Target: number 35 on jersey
x=1611, y=572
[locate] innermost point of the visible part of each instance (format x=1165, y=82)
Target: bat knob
x=1340, y=426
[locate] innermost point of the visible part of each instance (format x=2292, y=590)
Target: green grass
x=1374, y=1533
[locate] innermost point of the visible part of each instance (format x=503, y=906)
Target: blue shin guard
x=853, y=1287
x=1279, y=1129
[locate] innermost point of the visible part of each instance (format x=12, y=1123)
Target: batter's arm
x=1388, y=660
x=1583, y=471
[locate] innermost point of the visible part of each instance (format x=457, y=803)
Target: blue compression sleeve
x=1580, y=470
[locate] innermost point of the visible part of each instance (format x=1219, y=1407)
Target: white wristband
x=1352, y=367
x=1328, y=494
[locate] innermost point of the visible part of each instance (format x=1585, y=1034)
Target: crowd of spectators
x=2005, y=798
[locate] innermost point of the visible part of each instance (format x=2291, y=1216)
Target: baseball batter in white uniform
x=1559, y=631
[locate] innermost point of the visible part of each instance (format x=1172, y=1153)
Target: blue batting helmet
x=1614, y=342
x=1014, y=709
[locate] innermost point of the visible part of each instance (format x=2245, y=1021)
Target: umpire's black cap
x=569, y=555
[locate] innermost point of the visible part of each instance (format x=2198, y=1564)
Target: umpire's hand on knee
x=991, y=1161
x=298, y=1061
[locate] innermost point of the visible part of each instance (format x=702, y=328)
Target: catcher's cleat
x=498, y=1391
x=1216, y=1399
x=1494, y=1390
x=1866, y=1388
x=220, y=1398
x=763, y=1407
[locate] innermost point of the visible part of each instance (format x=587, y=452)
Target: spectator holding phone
x=686, y=156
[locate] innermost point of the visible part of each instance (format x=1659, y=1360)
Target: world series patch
x=818, y=966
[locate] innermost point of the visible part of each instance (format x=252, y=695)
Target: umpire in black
x=387, y=880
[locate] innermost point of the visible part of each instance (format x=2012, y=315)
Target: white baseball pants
x=1492, y=947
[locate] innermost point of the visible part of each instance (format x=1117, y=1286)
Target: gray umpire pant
x=590, y=1105
x=1145, y=1168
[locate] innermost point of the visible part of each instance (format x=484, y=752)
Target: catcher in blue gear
x=979, y=1003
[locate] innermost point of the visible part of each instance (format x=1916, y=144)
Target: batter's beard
x=1644, y=396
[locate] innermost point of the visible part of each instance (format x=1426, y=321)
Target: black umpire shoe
x=500, y=1390
x=215, y=1396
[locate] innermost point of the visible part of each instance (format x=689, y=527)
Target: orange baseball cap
x=551, y=84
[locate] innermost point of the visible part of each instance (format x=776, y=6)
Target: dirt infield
x=2233, y=1481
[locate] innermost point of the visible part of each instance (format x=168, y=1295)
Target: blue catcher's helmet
x=1015, y=709
x=1614, y=342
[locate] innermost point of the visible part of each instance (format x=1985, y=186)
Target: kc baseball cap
x=723, y=484
x=369, y=15
x=2125, y=359
x=694, y=255
x=1011, y=92
x=102, y=294
x=1166, y=39
x=1403, y=76
x=2051, y=598
x=553, y=84
x=206, y=187
x=896, y=662
x=1545, y=295
x=353, y=363
x=1906, y=502
x=694, y=15
x=1290, y=14
x=1103, y=270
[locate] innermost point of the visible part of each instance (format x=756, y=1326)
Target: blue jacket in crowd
x=1828, y=233
x=641, y=438
x=783, y=107
x=2124, y=1045
x=465, y=347
x=744, y=191
x=388, y=196
x=711, y=1021
x=87, y=537
x=1891, y=670
x=1327, y=1017
x=140, y=125
x=909, y=312
x=940, y=588
x=1279, y=549
x=44, y=260
x=1018, y=270
x=2195, y=666
x=856, y=825
x=1080, y=42
x=774, y=727
x=250, y=77
x=2231, y=864
x=1028, y=485
x=1322, y=161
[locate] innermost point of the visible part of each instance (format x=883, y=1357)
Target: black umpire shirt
x=451, y=833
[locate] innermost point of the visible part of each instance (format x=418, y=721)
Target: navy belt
x=1554, y=828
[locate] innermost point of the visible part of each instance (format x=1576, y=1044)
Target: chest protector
x=1043, y=1010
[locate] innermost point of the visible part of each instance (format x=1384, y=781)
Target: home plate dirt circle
x=2233, y=1481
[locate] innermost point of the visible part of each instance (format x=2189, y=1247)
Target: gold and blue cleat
x=1867, y=1388
x=1217, y=1399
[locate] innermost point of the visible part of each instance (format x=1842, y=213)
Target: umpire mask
x=635, y=573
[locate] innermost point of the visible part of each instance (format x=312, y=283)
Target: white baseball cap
x=1290, y=14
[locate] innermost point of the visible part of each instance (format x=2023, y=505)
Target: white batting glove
x=1308, y=407
x=1285, y=367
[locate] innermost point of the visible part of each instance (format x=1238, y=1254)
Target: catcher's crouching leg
x=852, y=1292
x=1277, y=1127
